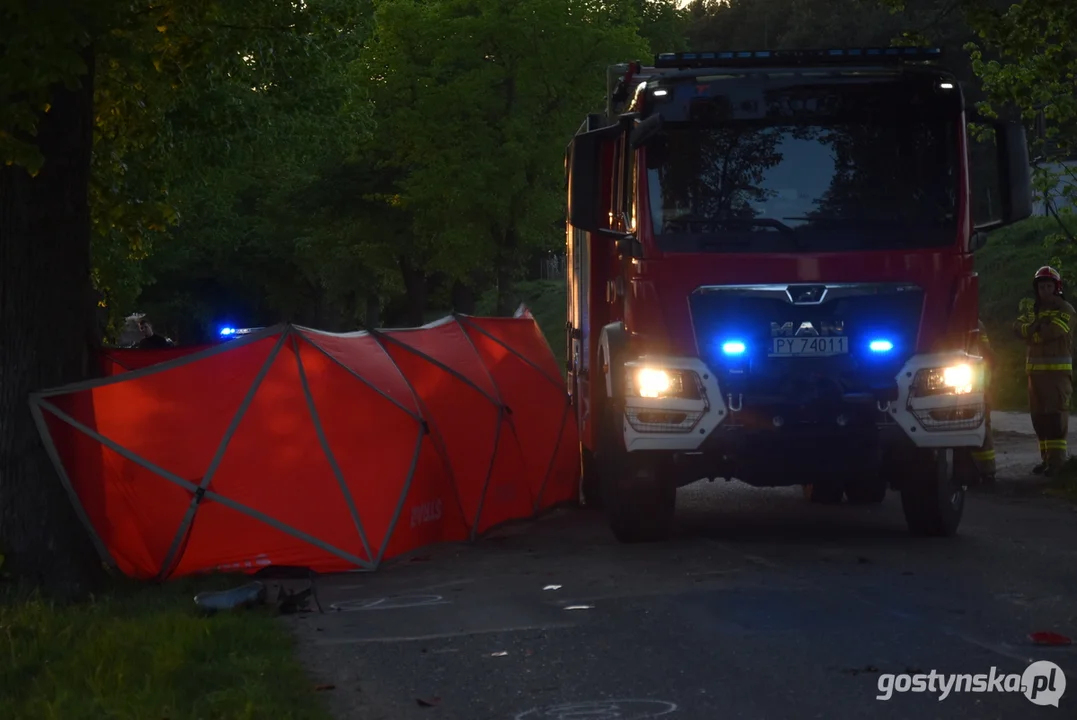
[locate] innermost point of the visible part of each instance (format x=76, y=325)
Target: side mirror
x=977, y=241
x=629, y=247
x=645, y=131
x=585, y=207
x=1015, y=172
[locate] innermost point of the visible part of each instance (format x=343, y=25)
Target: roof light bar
x=787, y=57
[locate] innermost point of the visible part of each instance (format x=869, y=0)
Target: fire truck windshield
x=839, y=178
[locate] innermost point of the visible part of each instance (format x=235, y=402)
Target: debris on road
x=1049, y=638
x=244, y=596
x=431, y=702
x=290, y=602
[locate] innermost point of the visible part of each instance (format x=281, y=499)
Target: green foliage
x=1034, y=78
x=276, y=157
x=42, y=45
x=476, y=100
x=197, y=103
x=281, y=160
x=274, y=106
x=310, y=177
x=664, y=24
x=144, y=653
x=1025, y=56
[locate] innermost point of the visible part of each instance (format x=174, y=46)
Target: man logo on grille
x=806, y=294
x=820, y=328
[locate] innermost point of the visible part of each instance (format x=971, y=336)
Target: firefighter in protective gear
x=1049, y=364
x=985, y=455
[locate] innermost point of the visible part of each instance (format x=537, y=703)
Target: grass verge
x=143, y=653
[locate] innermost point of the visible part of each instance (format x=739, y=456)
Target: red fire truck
x=771, y=280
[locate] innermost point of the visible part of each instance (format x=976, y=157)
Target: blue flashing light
x=881, y=346
x=733, y=347
x=231, y=332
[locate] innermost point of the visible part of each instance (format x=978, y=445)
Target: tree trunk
x=45, y=336
x=463, y=298
x=415, y=286
x=507, y=243
x=372, y=319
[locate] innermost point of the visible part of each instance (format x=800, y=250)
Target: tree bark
x=507, y=243
x=415, y=285
x=463, y=298
x=46, y=333
x=372, y=316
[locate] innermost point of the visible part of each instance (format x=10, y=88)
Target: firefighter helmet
x=1049, y=273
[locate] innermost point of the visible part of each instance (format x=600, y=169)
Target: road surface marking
x=632, y=709
x=441, y=636
x=401, y=602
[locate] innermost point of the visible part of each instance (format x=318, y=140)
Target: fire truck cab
x=770, y=279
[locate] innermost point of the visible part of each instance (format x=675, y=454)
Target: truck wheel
x=639, y=497
x=932, y=495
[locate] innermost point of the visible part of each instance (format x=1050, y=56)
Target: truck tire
x=932, y=494
x=640, y=499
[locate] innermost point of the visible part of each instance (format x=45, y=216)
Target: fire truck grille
x=854, y=338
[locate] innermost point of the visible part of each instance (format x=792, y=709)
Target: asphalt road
x=763, y=606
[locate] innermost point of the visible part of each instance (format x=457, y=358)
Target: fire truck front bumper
x=679, y=404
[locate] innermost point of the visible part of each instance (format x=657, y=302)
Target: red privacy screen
x=297, y=447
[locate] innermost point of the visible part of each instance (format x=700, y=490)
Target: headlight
x=958, y=379
x=652, y=383
x=646, y=382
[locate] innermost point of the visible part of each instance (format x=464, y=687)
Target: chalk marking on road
x=402, y=602
x=441, y=636
x=428, y=588
x=629, y=709
x=588, y=599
